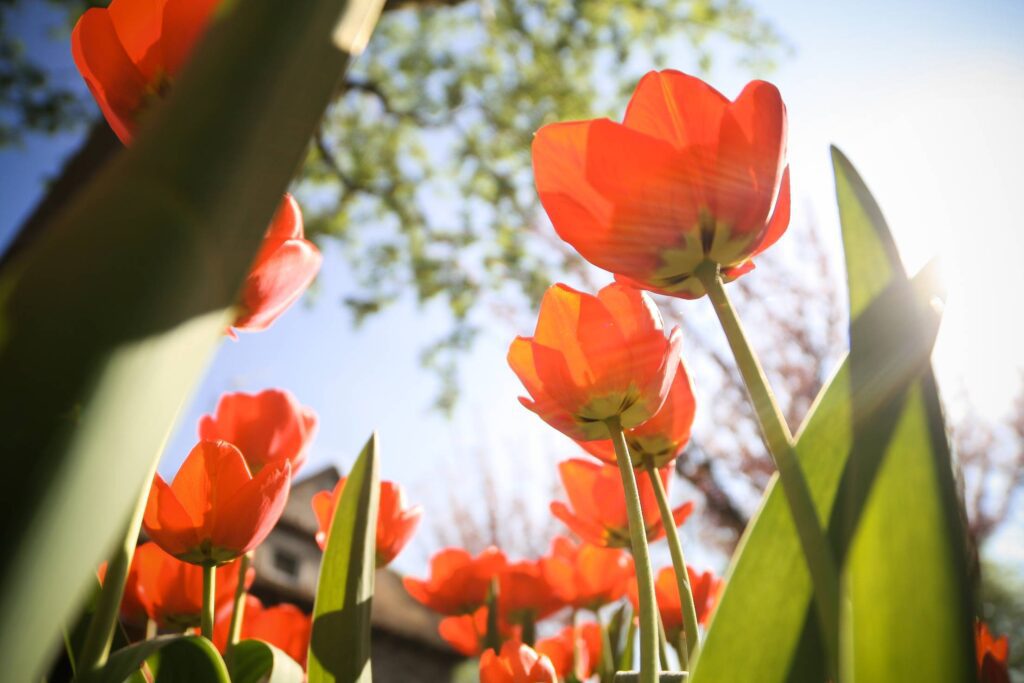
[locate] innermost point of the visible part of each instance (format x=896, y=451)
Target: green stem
x=607, y=668
x=100, y=635
x=777, y=437
x=529, y=629
x=663, y=645
x=492, y=638
x=684, y=657
x=209, y=589
x=649, y=662
x=238, y=610
x=675, y=547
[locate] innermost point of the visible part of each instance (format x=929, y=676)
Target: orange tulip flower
x=267, y=427
x=129, y=52
x=593, y=358
x=582, y=643
x=598, y=505
x=524, y=593
x=458, y=583
x=466, y=632
x=586, y=576
x=517, y=663
x=285, y=266
x=993, y=655
x=284, y=626
x=687, y=177
x=705, y=587
x=396, y=519
x=170, y=592
x=662, y=438
x=215, y=510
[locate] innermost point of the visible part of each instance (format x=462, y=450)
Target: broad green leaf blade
x=108, y=321
x=759, y=623
x=339, y=647
x=171, y=659
x=763, y=630
x=254, y=661
x=899, y=502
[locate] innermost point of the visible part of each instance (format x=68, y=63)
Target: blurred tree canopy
x=421, y=168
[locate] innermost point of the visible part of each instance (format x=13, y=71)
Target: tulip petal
x=678, y=108
x=137, y=24
x=168, y=522
x=211, y=474
x=243, y=521
x=184, y=21
x=588, y=531
x=276, y=283
x=780, y=216
x=115, y=82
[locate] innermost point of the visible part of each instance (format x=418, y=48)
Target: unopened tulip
x=595, y=358
x=396, y=519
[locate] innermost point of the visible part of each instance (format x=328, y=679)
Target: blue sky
x=926, y=98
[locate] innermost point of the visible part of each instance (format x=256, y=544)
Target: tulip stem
x=780, y=444
x=100, y=635
x=649, y=661
x=675, y=547
x=209, y=590
x=238, y=609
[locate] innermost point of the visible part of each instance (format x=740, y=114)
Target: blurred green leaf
x=171, y=659
x=899, y=521
x=107, y=323
x=254, y=661
x=763, y=629
x=74, y=637
x=339, y=648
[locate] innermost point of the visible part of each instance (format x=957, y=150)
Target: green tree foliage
x=422, y=169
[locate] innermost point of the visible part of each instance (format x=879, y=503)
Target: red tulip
x=587, y=576
x=705, y=588
x=459, y=583
x=993, y=655
x=170, y=592
x=582, y=643
x=687, y=177
x=284, y=626
x=593, y=358
x=524, y=593
x=466, y=632
x=396, y=519
x=267, y=427
x=517, y=663
x=662, y=438
x=129, y=52
x=215, y=510
x=283, y=269
x=598, y=505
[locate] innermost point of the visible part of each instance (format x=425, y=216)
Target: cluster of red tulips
x=677, y=199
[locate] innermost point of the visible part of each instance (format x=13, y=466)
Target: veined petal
x=243, y=521
x=678, y=108
x=211, y=474
x=167, y=521
x=780, y=216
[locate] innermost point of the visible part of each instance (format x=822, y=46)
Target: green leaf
x=339, y=648
x=254, y=661
x=74, y=637
x=171, y=659
x=899, y=522
x=763, y=629
x=107, y=323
